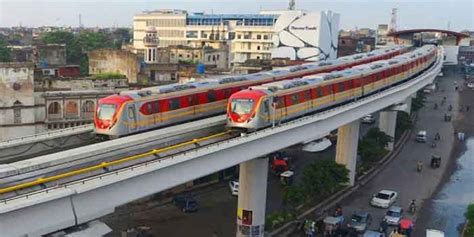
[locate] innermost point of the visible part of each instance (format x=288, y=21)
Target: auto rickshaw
x=435, y=161
x=404, y=228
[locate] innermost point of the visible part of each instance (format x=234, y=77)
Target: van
x=434, y=233
x=421, y=136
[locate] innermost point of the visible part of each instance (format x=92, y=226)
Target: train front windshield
x=242, y=106
x=106, y=111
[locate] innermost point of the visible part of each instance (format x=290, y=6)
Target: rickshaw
x=332, y=224
x=435, y=161
x=404, y=229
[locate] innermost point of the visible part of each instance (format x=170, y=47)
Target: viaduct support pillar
x=346, y=148
x=408, y=103
x=387, y=124
x=252, y=197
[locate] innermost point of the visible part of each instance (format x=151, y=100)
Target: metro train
x=138, y=110
x=264, y=105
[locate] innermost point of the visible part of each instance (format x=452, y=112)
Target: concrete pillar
x=408, y=103
x=346, y=149
x=252, y=197
x=387, y=124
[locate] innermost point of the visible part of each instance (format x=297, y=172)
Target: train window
x=156, y=107
x=320, y=92
x=227, y=93
x=307, y=95
x=190, y=100
x=314, y=92
x=211, y=96
x=149, y=108
x=174, y=104
x=265, y=107
x=378, y=76
x=294, y=99
x=341, y=87
x=280, y=103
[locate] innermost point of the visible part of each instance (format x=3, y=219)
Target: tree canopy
x=5, y=55
x=78, y=45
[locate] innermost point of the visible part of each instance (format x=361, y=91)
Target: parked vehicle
x=368, y=119
x=359, y=222
x=393, y=216
x=373, y=233
x=421, y=136
x=404, y=228
x=186, y=203
x=470, y=85
x=434, y=233
x=234, y=187
x=279, y=163
x=384, y=198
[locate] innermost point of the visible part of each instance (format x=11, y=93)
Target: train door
x=266, y=111
x=132, y=118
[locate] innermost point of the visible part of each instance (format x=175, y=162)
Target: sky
x=458, y=14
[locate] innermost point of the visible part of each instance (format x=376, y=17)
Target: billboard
x=310, y=36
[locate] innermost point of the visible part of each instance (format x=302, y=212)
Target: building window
x=54, y=108
x=239, y=36
x=231, y=35
x=88, y=106
x=218, y=57
x=17, y=112
x=259, y=37
x=258, y=47
x=266, y=37
x=71, y=108
x=209, y=58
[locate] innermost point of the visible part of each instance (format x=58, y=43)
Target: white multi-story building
x=248, y=36
x=304, y=35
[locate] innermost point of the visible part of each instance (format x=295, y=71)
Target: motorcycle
x=433, y=144
x=419, y=166
x=412, y=207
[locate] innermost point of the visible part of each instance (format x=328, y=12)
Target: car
x=234, y=187
x=359, y=222
x=384, y=199
x=393, y=215
x=434, y=233
x=421, y=136
x=373, y=233
x=470, y=85
x=186, y=203
x=368, y=119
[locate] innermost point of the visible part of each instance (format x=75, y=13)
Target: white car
x=234, y=187
x=470, y=85
x=384, y=198
x=393, y=216
x=368, y=119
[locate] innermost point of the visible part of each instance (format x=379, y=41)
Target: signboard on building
x=310, y=36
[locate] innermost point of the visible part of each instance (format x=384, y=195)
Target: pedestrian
x=467, y=108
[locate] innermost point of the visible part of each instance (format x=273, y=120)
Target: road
x=401, y=175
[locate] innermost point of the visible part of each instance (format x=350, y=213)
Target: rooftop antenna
x=292, y=5
x=393, y=21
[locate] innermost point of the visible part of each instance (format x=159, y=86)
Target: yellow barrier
x=105, y=164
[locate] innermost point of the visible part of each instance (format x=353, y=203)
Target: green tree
x=403, y=123
x=77, y=46
x=294, y=195
x=372, y=147
x=121, y=36
x=5, y=55
x=324, y=177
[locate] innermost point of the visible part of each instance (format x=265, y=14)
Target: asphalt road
x=401, y=175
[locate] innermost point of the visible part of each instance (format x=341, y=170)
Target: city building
x=19, y=114
x=382, y=31
x=294, y=34
x=466, y=54
x=249, y=36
